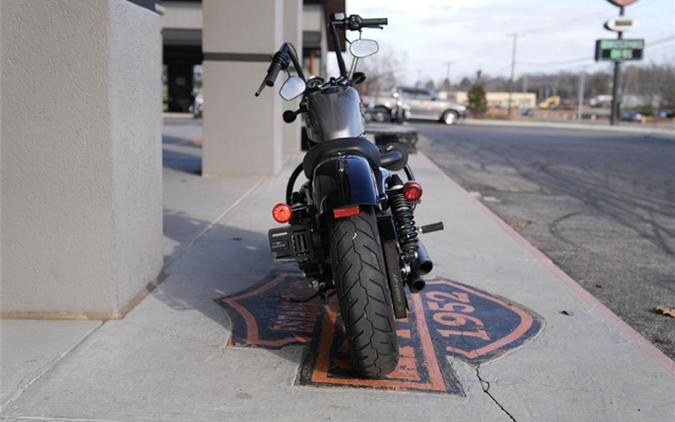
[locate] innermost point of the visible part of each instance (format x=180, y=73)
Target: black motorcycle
x=351, y=225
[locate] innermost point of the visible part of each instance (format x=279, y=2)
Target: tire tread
x=363, y=293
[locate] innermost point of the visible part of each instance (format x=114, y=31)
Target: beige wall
x=242, y=133
x=80, y=169
x=293, y=34
x=182, y=15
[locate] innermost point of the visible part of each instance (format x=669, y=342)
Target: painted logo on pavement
x=447, y=320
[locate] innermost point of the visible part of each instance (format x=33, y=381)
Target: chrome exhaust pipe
x=414, y=282
x=423, y=264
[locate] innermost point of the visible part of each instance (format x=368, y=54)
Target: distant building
x=496, y=99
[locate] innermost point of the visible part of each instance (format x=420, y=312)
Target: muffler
x=423, y=264
x=415, y=282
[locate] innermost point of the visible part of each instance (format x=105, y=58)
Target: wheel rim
x=450, y=118
x=379, y=116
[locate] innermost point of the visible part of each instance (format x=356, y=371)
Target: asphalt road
x=601, y=205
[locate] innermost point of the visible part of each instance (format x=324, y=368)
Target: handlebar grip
x=374, y=22
x=272, y=73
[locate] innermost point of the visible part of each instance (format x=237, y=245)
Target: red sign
x=622, y=3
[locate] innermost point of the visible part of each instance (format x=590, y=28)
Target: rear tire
x=363, y=293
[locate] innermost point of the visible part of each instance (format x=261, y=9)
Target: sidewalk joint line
x=56, y=419
x=182, y=250
x=43, y=371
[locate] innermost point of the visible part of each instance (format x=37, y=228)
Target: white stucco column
x=242, y=133
x=292, y=34
x=80, y=162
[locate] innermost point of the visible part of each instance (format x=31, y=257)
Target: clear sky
x=473, y=34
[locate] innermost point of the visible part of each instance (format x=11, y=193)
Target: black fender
x=344, y=180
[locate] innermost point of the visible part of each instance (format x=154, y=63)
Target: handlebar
x=356, y=22
x=374, y=22
x=280, y=61
x=274, y=69
x=351, y=23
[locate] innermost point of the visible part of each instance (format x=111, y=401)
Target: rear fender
x=342, y=181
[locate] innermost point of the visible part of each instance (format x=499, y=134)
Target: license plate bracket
x=291, y=243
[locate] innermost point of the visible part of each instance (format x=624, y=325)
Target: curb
x=667, y=134
x=610, y=317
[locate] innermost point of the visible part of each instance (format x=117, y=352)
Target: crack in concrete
x=485, y=385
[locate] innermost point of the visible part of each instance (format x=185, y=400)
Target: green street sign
x=619, y=50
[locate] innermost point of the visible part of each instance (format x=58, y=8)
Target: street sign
x=622, y=3
x=620, y=24
x=619, y=50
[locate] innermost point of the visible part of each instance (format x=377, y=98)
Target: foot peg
x=434, y=227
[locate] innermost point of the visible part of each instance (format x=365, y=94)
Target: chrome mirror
x=292, y=88
x=363, y=48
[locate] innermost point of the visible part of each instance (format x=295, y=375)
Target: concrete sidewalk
x=168, y=360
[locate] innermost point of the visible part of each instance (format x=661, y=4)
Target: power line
x=547, y=29
x=550, y=63
x=660, y=41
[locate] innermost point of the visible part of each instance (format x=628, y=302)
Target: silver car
x=425, y=104
x=417, y=103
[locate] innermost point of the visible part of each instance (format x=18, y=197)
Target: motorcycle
x=351, y=226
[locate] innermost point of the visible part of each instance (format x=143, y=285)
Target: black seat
x=357, y=146
x=394, y=156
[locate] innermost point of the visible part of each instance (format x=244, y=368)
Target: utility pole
x=616, y=90
x=513, y=70
x=580, y=94
x=447, y=70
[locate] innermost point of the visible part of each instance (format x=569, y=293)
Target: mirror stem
x=352, y=69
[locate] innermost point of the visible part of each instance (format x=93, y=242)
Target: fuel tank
x=334, y=112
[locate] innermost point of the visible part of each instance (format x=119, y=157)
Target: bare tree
x=382, y=72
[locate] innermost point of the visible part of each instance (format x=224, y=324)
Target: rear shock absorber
x=402, y=211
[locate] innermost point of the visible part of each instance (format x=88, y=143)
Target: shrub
x=476, y=100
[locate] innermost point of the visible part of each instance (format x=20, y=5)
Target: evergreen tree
x=476, y=100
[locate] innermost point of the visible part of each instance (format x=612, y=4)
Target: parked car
x=633, y=116
x=197, y=106
x=666, y=114
x=401, y=103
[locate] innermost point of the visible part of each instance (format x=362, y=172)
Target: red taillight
x=346, y=211
x=282, y=213
x=412, y=191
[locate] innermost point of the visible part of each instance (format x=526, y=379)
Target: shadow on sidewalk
x=222, y=261
x=181, y=154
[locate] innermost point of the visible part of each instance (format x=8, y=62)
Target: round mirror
x=364, y=48
x=292, y=88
